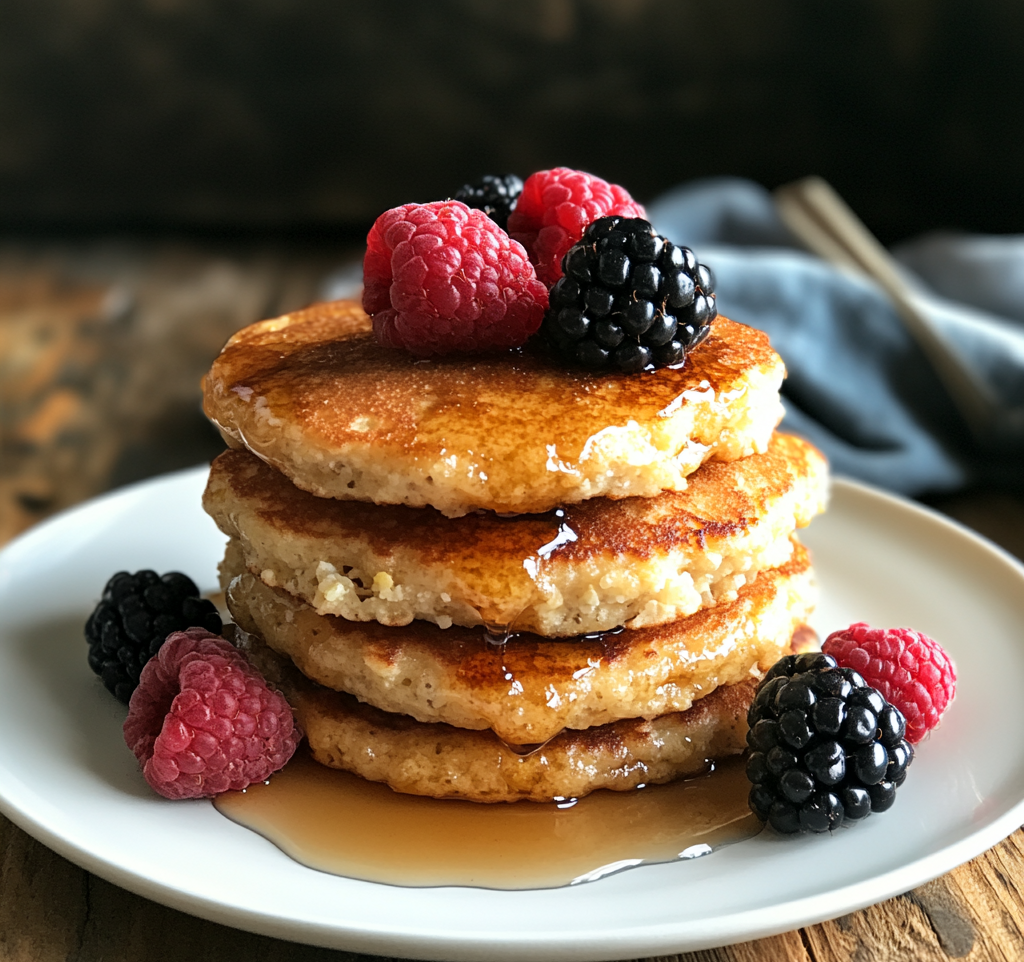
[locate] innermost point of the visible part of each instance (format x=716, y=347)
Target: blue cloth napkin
x=858, y=385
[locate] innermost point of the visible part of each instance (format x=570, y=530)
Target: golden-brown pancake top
x=314, y=394
x=723, y=499
x=588, y=567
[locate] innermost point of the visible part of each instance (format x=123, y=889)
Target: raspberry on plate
x=442, y=277
x=203, y=721
x=910, y=670
x=555, y=208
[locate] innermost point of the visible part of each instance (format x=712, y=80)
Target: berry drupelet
x=495, y=196
x=824, y=747
x=629, y=299
x=136, y=613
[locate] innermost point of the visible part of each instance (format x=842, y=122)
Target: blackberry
x=495, y=196
x=824, y=747
x=136, y=613
x=629, y=299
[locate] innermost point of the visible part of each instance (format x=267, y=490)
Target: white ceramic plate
x=67, y=778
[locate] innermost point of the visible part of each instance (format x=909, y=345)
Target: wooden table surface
x=102, y=345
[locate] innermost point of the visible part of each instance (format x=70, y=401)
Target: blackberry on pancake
x=629, y=299
x=495, y=196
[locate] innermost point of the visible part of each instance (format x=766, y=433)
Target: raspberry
x=442, y=277
x=910, y=670
x=203, y=720
x=555, y=208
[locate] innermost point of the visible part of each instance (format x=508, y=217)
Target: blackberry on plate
x=136, y=613
x=495, y=196
x=824, y=746
x=629, y=299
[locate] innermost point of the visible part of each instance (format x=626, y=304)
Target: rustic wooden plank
x=778, y=948
x=44, y=901
x=893, y=930
x=101, y=351
x=48, y=332
x=990, y=887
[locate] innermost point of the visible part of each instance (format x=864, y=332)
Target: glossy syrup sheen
x=508, y=568
x=723, y=499
x=316, y=396
x=338, y=823
x=316, y=367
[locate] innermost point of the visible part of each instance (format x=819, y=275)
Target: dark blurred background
x=171, y=170
x=312, y=116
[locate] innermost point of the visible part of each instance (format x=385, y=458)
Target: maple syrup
x=509, y=431
x=338, y=823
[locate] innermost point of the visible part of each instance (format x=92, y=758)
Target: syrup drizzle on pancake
x=315, y=395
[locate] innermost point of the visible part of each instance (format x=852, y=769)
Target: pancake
x=314, y=395
x=446, y=762
x=591, y=567
x=530, y=688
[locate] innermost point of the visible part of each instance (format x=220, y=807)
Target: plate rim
x=753, y=923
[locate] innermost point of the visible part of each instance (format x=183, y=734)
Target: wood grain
x=101, y=350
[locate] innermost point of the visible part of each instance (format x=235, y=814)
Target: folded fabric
x=858, y=386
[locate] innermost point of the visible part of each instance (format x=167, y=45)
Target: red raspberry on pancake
x=442, y=278
x=554, y=210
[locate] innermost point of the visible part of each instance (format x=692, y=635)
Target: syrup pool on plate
x=338, y=823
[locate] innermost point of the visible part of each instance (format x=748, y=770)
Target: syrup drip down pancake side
x=314, y=395
x=530, y=688
x=446, y=762
x=590, y=567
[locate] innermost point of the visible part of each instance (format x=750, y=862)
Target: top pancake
x=313, y=394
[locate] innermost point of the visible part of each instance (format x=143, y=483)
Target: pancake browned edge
x=590, y=567
x=446, y=762
x=530, y=688
x=314, y=395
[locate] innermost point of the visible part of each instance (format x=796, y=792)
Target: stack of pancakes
x=496, y=579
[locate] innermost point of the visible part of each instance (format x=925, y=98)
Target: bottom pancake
x=439, y=760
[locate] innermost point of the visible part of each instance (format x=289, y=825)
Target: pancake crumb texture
x=592, y=567
x=314, y=395
x=530, y=688
x=445, y=762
